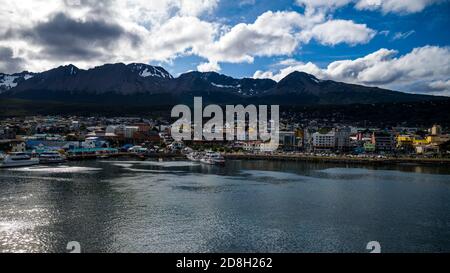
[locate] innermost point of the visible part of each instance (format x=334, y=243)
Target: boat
x=194, y=156
x=18, y=160
x=212, y=158
x=51, y=158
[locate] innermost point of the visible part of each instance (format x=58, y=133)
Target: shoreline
x=121, y=154
x=283, y=157
x=343, y=160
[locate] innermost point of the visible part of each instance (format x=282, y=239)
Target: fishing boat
x=212, y=158
x=18, y=160
x=51, y=158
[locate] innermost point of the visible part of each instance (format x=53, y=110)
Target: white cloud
x=157, y=12
x=396, y=6
x=386, y=6
x=440, y=87
x=162, y=30
x=271, y=34
x=259, y=74
x=424, y=69
x=28, y=12
x=281, y=33
x=197, y=7
x=178, y=36
x=294, y=66
x=335, y=32
x=403, y=35
x=208, y=67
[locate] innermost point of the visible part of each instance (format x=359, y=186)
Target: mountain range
x=141, y=84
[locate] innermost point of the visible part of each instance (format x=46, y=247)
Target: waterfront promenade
x=338, y=159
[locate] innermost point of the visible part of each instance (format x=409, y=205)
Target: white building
x=324, y=141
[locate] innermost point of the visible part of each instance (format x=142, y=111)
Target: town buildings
x=384, y=141
x=324, y=141
x=68, y=133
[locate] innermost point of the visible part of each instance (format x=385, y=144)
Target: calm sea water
x=247, y=206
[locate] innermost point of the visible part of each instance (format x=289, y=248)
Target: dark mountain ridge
x=143, y=84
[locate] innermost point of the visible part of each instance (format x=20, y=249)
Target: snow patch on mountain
x=226, y=86
x=155, y=73
x=146, y=73
x=8, y=81
x=150, y=71
x=73, y=70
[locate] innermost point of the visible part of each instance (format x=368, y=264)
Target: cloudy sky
x=398, y=44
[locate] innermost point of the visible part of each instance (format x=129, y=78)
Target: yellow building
x=404, y=140
x=424, y=145
x=420, y=141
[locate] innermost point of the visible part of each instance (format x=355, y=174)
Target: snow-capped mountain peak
x=150, y=71
x=10, y=81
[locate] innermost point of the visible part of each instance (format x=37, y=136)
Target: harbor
x=220, y=159
x=131, y=205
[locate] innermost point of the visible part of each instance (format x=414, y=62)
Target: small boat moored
x=18, y=160
x=51, y=158
x=194, y=156
x=212, y=158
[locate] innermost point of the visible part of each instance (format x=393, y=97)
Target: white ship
x=212, y=158
x=51, y=158
x=18, y=160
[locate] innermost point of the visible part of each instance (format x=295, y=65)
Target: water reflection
x=247, y=206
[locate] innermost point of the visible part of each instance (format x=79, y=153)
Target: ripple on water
x=357, y=171
x=16, y=197
x=151, y=171
x=13, y=177
x=58, y=169
x=164, y=164
x=273, y=177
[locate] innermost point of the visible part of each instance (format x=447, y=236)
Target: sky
x=397, y=44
